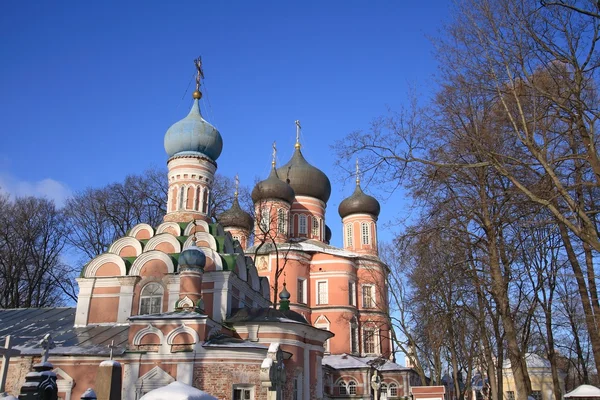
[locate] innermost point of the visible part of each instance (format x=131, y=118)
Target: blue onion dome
x=193, y=135
x=273, y=188
x=359, y=203
x=235, y=216
x=192, y=257
x=284, y=294
x=305, y=179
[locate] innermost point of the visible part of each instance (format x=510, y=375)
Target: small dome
x=193, y=135
x=327, y=234
x=284, y=294
x=192, y=257
x=235, y=216
x=305, y=179
x=359, y=203
x=273, y=188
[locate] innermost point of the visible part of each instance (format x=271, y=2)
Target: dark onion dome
x=327, y=234
x=192, y=257
x=193, y=135
x=305, y=179
x=235, y=216
x=273, y=188
x=359, y=203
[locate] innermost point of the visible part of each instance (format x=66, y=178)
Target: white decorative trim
x=162, y=228
x=188, y=229
x=182, y=329
x=148, y=330
x=185, y=302
x=153, y=379
x=151, y=255
x=139, y=227
x=96, y=263
x=163, y=238
x=123, y=242
x=207, y=237
x=65, y=385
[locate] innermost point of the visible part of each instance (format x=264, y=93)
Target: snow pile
x=584, y=391
x=177, y=391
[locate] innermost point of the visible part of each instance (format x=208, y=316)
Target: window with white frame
x=281, y=221
x=352, y=293
x=323, y=323
x=365, y=233
x=353, y=336
x=342, y=389
x=181, y=198
x=351, y=387
x=291, y=225
x=322, y=295
x=315, y=227
x=197, y=206
x=302, y=224
x=297, y=387
x=383, y=389
x=301, y=295
x=243, y=392
x=151, y=299
x=369, y=340
x=349, y=235
x=368, y=296
x=393, y=391
x=264, y=219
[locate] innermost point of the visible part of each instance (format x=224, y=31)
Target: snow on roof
x=110, y=363
x=170, y=315
x=532, y=360
x=584, y=391
x=346, y=361
x=177, y=391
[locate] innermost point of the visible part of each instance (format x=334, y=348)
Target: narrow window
x=198, y=198
x=342, y=387
x=352, y=293
x=369, y=340
x=367, y=295
x=322, y=292
x=181, y=198
x=393, y=390
x=264, y=220
x=242, y=393
x=301, y=291
x=205, y=201
x=353, y=336
x=151, y=299
x=365, y=233
x=281, y=221
x=349, y=235
x=302, y=224
x=295, y=386
x=383, y=390
x=315, y=228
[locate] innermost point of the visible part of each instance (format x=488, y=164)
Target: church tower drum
x=193, y=146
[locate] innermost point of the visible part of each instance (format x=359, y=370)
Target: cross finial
x=274, y=154
x=237, y=186
x=298, y=127
x=200, y=75
x=47, y=343
x=357, y=173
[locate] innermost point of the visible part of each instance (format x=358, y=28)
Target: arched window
x=393, y=390
x=349, y=235
x=198, y=198
x=315, y=228
x=151, y=299
x=383, y=389
x=369, y=340
x=342, y=387
x=281, y=221
x=351, y=387
x=264, y=220
x=181, y=198
x=302, y=224
x=365, y=233
x=205, y=201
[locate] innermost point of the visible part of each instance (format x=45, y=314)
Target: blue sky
x=89, y=88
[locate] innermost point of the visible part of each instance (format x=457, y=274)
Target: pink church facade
x=192, y=296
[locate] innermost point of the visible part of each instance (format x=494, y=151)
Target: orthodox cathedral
x=239, y=308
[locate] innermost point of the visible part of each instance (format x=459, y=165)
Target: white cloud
x=48, y=188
